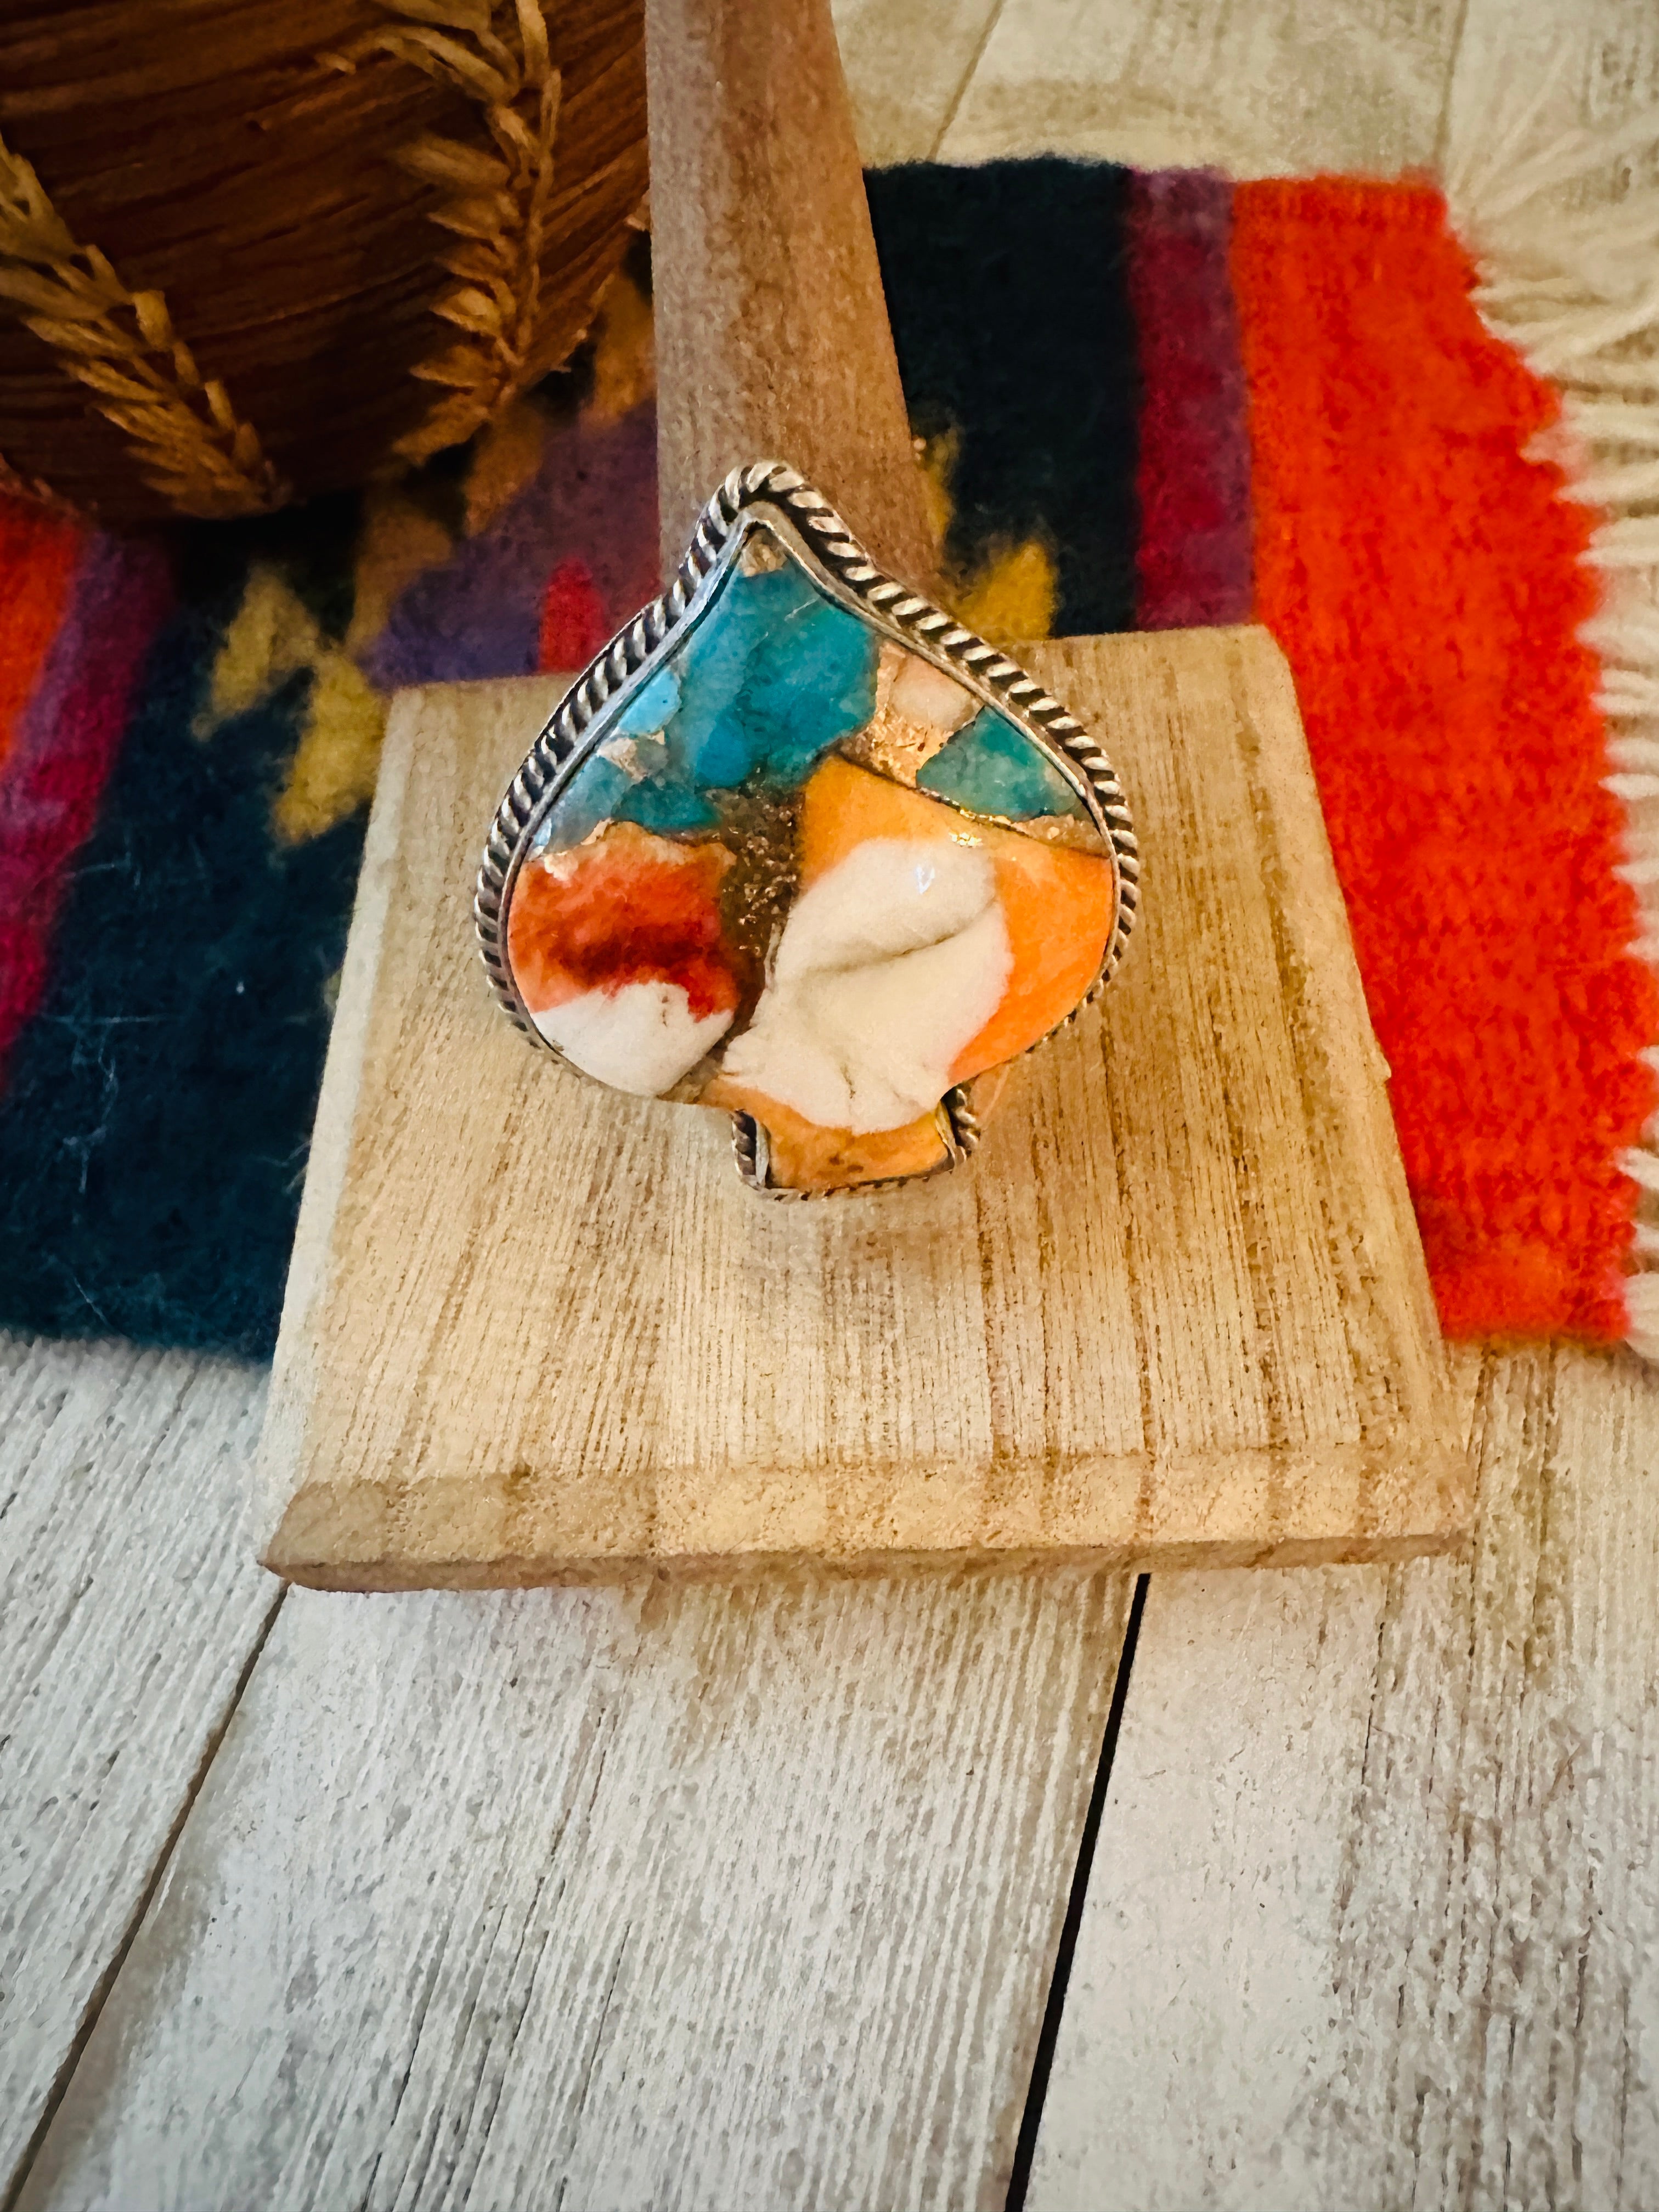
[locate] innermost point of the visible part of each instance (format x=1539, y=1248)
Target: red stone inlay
x=629, y=908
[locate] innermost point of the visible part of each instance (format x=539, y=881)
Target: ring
x=799, y=846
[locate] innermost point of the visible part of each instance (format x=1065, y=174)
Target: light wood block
x=537, y=1332
x=1174, y=1312
x=769, y=318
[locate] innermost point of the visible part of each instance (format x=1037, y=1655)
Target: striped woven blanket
x=1276, y=401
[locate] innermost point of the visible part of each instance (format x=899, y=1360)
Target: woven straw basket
x=252, y=249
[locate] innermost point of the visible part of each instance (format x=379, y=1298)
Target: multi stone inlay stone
x=807, y=875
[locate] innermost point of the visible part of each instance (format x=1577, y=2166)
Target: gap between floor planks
x=666, y=1895
x=132, y=1610
x=1381, y=1924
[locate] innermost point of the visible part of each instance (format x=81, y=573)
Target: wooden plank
x=1375, y=1914
x=591, y=1897
x=1176, y=1310
x=908, y=63
x=1198, y=2012
x=129, y=1609
x=1260, y=90
x=1564, y=64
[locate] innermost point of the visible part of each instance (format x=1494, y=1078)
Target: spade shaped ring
x=799, y=846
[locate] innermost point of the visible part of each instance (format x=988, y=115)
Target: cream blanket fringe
x=1573, y=285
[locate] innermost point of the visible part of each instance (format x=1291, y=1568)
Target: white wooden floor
x=574, y=1898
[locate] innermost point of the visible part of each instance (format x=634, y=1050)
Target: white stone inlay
x=641, y=1038
x=888, y=966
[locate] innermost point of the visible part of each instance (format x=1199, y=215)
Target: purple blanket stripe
x=1193, y=473
x=593, y=498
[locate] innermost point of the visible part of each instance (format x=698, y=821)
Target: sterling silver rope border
x=841, y=566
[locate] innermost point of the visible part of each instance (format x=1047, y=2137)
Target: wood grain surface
x=1375, y=1914
x=1258, y=89
x=771, y=328
x=675, y=1897
x=1176, y=1311
x=130, y=1607
x=908, y=63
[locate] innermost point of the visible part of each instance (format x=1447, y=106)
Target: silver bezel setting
x=772, y=494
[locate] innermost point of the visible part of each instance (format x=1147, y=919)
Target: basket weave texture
x=255, y=250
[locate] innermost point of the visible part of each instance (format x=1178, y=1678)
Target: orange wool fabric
x=1422, y=576
x=38, y=554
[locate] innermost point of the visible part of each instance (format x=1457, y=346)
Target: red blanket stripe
x=64, y=746
x=1424, y=579
x=38, y=556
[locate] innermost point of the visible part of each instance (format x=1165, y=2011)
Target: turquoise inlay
x=653, y=708
x=811, y=683
x=771, y=677
x=992, y=768
x=668, y=808
x=592, y=796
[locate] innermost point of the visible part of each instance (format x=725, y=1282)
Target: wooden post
x=771, y=326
